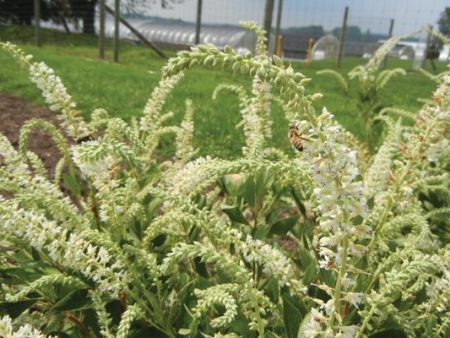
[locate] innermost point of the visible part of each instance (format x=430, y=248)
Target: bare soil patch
x=14, y=112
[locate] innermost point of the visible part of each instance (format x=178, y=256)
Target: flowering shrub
x=371, y=82
x=115, y=243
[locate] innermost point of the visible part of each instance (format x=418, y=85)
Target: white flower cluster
x=54, y=92
x=439, y=294
x=156, y=102
x=255, y=123
x=340, y=204
x=262, y=91
x=338, y=189
x=12, y=162
x=220, y=294
x=437, y=150
x=185, y=151
x=366, y=74
x=272, y=261
x=315, y=326
x=64, y=247
x=98, y=168
x=52, y=88
x=25, y=331
x=377, y=176
x=191, y=175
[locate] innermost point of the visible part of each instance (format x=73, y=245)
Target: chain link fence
x=308, y=29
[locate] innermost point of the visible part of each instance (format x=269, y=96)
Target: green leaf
x=272, y=289
x=72, y=184
x=282, y=227
x=291, y=315
x=298, y=201
x=35, y=254
x=75, y=300
x=240, y=326
x=90, y=320
x=306, y=259
x=357, y=220
x=15, y=309
x=115, y=309
x=235, y=214
x=200, y=267
x=310, y=274
x=193, y=327
x=249, y=192
x=371, y=203
x=261, y=232
x=263, y=182
x=327, y=277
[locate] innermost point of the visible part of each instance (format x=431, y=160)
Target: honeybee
x=295, y=136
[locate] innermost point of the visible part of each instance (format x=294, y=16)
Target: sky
x=373, y=15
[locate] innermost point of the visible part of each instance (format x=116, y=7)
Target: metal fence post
x=116, y=29
x=277, y=28
x=101, y=31
x=37, y=21
x=391, y=31
x=268, y=12
x=198, y=23
x=342, y=37
x=427, y=46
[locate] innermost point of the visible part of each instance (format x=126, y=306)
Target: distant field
x=124, y=88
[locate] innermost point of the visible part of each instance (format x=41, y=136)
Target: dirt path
x=14, y=112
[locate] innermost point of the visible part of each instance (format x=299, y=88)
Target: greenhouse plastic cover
x=183, y=34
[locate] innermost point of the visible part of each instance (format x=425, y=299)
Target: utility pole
x=37, y=21
x=277, y=28
x=342, y=37
x=198, y=24
x=101, y=33
x=116, y=29
x=268, y=12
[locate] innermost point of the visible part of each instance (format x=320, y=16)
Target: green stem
x=365, y=323
x=137, y=298
x=338, y=286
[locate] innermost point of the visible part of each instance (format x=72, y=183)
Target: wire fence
x=308, y=29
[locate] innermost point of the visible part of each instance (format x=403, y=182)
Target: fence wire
x=304, y=23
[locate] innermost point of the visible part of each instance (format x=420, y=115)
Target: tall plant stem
x=338, y=286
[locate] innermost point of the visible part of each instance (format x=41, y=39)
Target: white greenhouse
x=180, y=35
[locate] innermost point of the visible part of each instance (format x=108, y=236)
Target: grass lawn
x=124, y=88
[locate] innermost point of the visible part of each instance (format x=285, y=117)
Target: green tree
x=444, y=22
